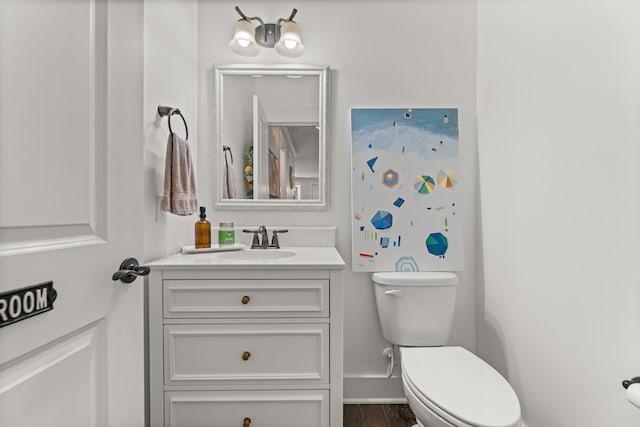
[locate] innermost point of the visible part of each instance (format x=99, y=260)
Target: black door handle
x=130, y=270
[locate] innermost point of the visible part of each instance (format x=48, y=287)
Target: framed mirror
x=271, y=136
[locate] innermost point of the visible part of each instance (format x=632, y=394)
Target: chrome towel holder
x=165, y=111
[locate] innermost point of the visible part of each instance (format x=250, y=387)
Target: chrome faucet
x=261, y=238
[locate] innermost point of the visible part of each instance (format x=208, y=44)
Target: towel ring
x=170, y=111
x=226, y=148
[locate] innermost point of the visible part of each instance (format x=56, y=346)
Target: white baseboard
x=370, y=389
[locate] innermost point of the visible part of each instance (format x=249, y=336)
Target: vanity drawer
x=250, y=353
x=292, y=408
x=246, y=298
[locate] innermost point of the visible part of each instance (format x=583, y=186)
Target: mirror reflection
x=293, y=162
x=271, y=127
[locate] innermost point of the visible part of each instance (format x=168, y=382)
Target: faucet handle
x=274, y=240
x=265, y=236
x=256, y=240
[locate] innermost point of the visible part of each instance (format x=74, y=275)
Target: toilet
x=445, y=386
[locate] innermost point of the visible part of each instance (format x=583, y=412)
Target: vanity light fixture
x=284, y=36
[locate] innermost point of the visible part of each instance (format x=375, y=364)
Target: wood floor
x=378, y=416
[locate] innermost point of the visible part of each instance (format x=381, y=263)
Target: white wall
x=238, y=127
x=170, y=78
x=558, y=124
x=558, y=131
x=404, y=53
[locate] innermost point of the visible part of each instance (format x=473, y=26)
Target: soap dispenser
x=203, y=231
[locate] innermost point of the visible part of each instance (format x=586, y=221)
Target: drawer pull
x=246, y=299
x=246, y=422
x=245, y=356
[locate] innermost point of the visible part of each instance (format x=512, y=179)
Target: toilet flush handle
x=393, y=292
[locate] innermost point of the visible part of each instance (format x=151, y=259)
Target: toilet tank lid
x=416, y=278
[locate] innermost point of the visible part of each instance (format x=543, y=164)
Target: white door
x=260, y=151
x=71, y=210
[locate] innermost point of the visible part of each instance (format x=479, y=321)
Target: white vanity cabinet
x=244, y=345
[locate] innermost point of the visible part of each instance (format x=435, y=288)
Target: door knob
x=130, y=270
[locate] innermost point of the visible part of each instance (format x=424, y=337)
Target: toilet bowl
x=450, y=386
x=445, y=386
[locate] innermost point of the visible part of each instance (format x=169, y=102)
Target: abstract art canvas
x=406, y=190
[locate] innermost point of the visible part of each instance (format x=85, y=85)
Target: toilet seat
x=459, y=387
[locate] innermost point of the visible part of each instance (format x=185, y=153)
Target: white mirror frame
x=322, y=71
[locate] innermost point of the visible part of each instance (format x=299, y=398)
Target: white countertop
x=304, y=258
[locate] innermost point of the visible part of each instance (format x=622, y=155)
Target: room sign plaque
x=20, y=304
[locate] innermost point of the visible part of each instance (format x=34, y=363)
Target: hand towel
x=179, y=178
x=229, y=190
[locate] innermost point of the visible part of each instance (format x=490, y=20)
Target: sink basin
x=256, y=254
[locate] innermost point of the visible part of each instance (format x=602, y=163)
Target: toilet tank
x=415, y=308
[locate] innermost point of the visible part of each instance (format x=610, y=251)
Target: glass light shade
x=244, y=39
x=290, y=43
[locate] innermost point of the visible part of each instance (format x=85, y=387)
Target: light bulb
x=243, y=42
x=290, y=44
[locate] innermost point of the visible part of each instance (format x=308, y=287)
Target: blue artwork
x=406, y=263
x=393, y=132
x=416, y=156
x=437, y=244
x=390, y=178
x=382, y=220
x=372, y=162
